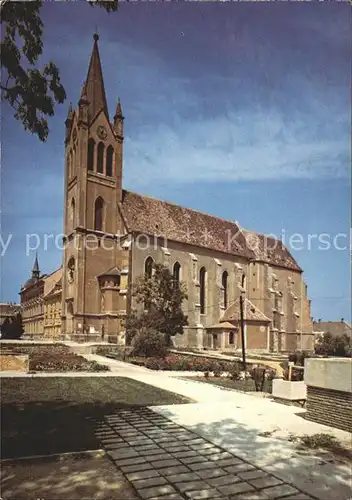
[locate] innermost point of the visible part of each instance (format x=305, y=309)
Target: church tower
x=92, y=262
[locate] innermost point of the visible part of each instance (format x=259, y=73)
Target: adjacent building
x=113, y=236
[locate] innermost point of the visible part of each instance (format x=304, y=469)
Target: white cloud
x=253, y=147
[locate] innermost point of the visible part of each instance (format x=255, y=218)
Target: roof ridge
x=185, y=208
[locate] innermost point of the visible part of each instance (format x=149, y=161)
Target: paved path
x=168, y=462
x=254, y=428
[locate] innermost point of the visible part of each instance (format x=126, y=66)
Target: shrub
x=97, y=367
x=217, y=369
x=155, y=364
x=270, y=374
x=149, y=343
x=234, y=371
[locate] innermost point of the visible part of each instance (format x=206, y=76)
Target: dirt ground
x=74, y=477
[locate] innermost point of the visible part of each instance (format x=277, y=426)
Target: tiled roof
x=250, y=312
x=113, y=271
x=336, y=328
x=151, y=216
x=271, y=250
x=225, y=325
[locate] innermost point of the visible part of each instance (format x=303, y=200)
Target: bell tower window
x=109, y=158
x=99, y=214
x=91, y=148
x=73, y=213
x=100, y=159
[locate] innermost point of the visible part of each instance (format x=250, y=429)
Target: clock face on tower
x=101, y=131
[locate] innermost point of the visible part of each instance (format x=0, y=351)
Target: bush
x=97, y=367
x=298, y=358
x=234, y=371
x=155, y=364
x=149, y=343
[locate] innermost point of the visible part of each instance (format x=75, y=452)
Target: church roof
x=151, y=216
x=93, y=89
x=250, y=312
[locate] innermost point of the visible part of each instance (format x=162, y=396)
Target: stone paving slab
x=176, y=464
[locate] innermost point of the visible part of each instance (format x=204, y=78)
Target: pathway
x=253, y=428
x=165, y=461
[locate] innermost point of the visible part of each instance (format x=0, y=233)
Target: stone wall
x=330, y=407
x=329, y=391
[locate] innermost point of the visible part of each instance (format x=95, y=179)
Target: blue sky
x=237, y=109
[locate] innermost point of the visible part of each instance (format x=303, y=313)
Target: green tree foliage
x=30, y=91
x=12, y=328
x=329, y=345
x=162, y=298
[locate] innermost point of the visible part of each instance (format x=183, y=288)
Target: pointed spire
x=118, y=113
x=93, y=90
x=118, y=120
x=35, y=270
x=70, y=112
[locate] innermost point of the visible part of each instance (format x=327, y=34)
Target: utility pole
x=242, y=326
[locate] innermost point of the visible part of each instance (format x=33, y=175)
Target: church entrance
x=215, y=341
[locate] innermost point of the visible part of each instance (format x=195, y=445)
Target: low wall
x=329, y=391
x=290, y=390
x=14, y=362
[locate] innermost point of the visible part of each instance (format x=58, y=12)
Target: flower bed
x=56, y=358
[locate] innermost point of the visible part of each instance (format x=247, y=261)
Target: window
x=69, y=163
x=109, y=158
x=100, y=160
x=176, y=272
x=148, y=267
x=231, y=338
x=202, y=276
x=99, y=214
x=73, y=213
x=91, y=148
x=73, y=167
x=71, y=270
x=224, y=281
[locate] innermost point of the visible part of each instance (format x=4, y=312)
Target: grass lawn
x=54, y=415
x=238, y=385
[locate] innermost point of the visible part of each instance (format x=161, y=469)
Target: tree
x=12, y=328
x=330, y=345
x=30, y=91
x=162, y=298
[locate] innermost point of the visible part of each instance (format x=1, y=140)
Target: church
x=112, y=236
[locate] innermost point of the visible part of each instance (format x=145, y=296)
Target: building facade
x=113, y=236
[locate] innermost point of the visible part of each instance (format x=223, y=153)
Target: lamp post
x=242, y=324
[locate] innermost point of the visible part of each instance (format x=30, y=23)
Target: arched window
x=69, y=163
x=176, y=272
x=100, y=159
x=231, y=338
x=202, y=277
x=91, y=149
x=224, y=281
x=99, y=214
x=148, y=267
x=109, y=158
x=73, y=213
x=73, y=166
